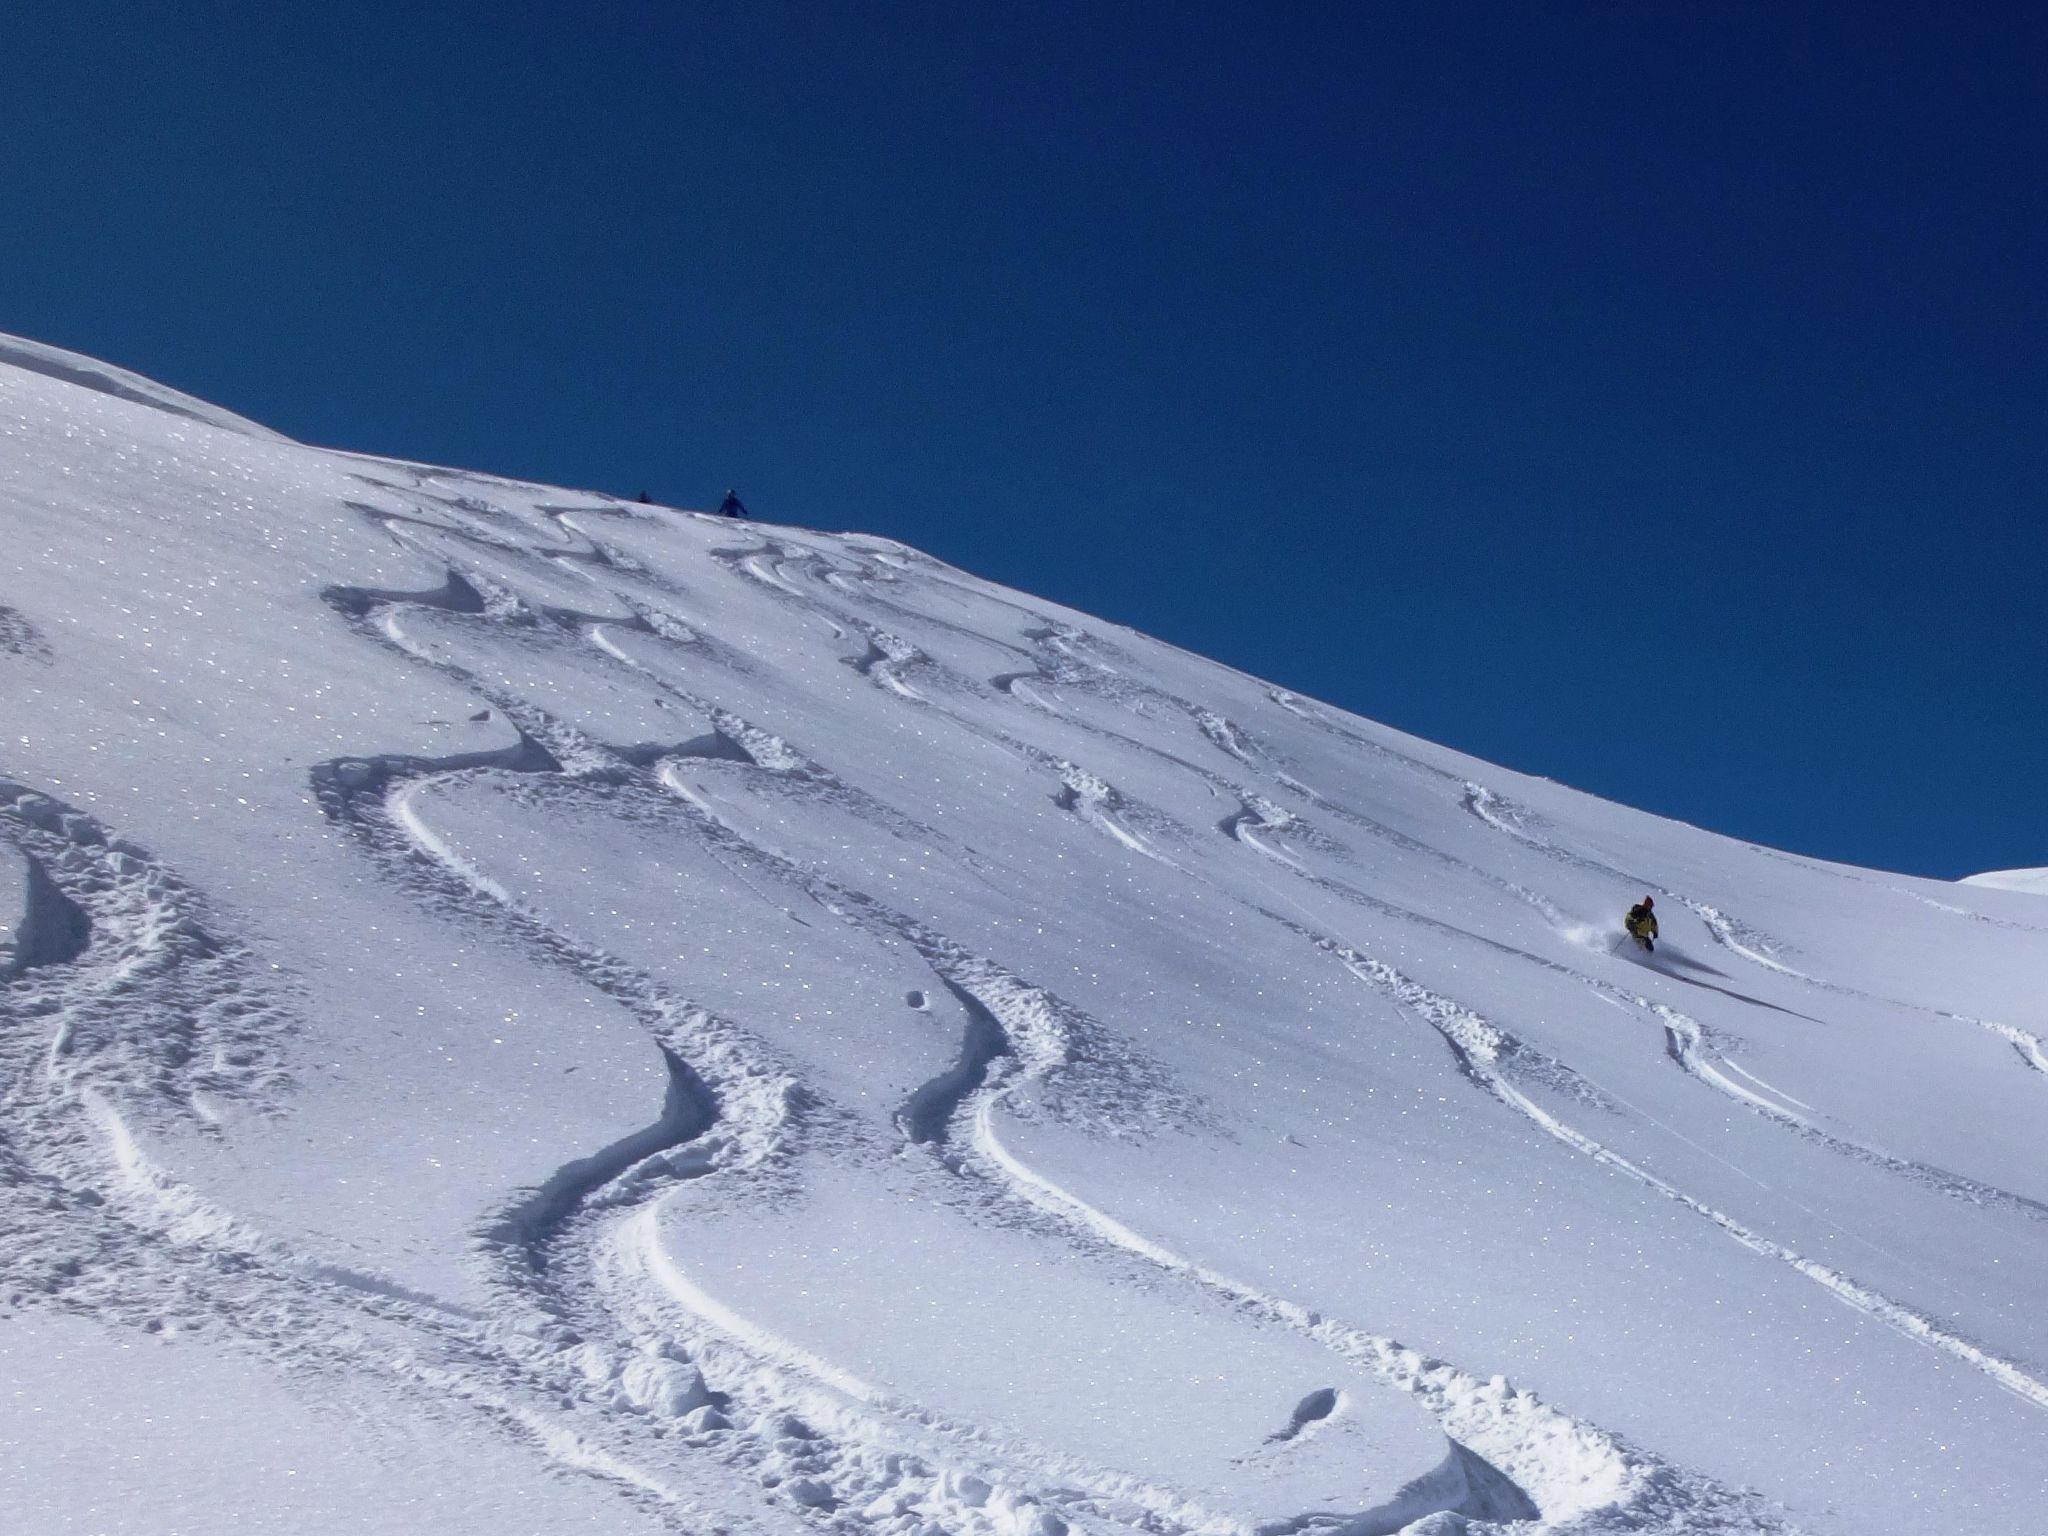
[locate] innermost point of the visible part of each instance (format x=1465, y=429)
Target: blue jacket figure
x=732, y=506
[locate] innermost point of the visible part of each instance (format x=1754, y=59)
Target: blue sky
x=1647, y=396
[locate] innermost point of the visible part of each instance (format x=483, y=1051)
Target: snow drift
x=2032, y=880
x=525, y=1011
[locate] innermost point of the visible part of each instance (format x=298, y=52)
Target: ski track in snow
x=1744, y=942
x=1474, y=1041
x=1040, y=1032
x=1685, y=1035
x=1486, y=1054
x=1490, y=1057
x=1227, y=738
x=1689, y=1047
x=2024, y=1042
x=889, y=658
x=1479, y=1045
x=1036, y=1040
x=99, y=1230
x=1735, y=936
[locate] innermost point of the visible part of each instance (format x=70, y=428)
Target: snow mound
x=2033, y=881
x=90, y=373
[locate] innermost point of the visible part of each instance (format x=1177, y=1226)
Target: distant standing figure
x=732, y=506
x=645, y=500
x=1641, y=922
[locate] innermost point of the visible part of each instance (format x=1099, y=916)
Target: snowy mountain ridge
x=527, y=1011
x=2035, y=880
x=105, y=378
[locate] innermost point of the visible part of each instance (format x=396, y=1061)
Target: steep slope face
x=696, y=1022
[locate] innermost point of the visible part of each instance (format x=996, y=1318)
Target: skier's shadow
x=1667, y=961
x=1680, y=958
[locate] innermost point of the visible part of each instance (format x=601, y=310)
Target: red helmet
x=1649, y=901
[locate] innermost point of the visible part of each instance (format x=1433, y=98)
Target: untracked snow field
x=526, y=1012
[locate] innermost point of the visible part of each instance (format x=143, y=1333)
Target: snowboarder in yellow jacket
x=1641, y=922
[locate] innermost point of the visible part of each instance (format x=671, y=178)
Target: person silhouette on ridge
x=732, y=506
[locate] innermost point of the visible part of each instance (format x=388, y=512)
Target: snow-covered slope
x=2033, y=880
x=91, y=373
x=525, y=1012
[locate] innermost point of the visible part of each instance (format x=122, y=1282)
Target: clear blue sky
x=1653, y=396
